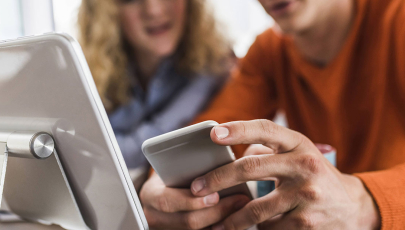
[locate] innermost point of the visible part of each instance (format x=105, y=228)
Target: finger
x=172, y=200
x=257, y=149
x=199, y=219
x=286, y=222
x=268, y=224
x=258, y=211
x=176, y=200
x=251, y=168
x=265, y=132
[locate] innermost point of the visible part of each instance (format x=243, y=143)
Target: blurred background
x=242, y=20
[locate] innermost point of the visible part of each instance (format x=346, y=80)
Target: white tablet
x=46, y=85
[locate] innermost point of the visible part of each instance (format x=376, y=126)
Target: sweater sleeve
x=388, y=187
x=249, y=94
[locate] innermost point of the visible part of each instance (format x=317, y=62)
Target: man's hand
x=169, y=208
x=310, y=193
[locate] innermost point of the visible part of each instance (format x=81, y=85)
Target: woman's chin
x=163, y=51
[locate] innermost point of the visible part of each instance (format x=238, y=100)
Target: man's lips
x=159, y=29
x=281, y=6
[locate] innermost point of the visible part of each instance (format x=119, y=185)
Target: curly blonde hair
x=202, y=49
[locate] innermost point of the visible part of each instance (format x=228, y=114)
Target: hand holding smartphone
x=180, y=156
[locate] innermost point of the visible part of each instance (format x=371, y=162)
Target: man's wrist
x=368, y=213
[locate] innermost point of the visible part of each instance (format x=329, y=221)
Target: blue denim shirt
x=171, y=101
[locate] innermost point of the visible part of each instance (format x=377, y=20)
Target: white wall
x=10, y=19
x=243, y=20
x=37, y=16
x=65, y=15
x=25, y=17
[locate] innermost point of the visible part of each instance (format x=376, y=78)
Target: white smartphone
x=181, y=156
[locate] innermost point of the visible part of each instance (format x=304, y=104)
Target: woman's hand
x=310, y=193
x=169, y=208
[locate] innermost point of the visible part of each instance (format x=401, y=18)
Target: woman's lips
x=158, y=30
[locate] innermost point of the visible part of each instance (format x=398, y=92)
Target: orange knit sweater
x=356, y=103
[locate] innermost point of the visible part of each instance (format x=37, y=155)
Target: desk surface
x=26, y=225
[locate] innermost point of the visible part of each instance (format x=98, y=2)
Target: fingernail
x=218, y=227
x=198, y=185
x=221, y=132
x=211, y=199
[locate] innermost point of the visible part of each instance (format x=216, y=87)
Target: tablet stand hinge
x=34, y=145
x=35, y=180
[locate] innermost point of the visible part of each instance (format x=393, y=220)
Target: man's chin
x=291, y=25
x=288, y=28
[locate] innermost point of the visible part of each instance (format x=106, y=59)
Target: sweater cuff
x=388, y=188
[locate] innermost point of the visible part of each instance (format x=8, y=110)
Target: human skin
x=169, y=208
x=154, y=29
x=310, y=194
x=319, y=29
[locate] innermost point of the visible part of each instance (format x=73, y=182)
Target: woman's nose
x=154, y=8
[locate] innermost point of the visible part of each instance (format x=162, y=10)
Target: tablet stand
x=34, y=182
